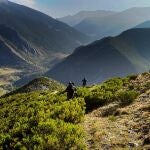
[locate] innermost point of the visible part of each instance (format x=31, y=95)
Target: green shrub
x=145, y=73
x=126, y=97
x=70, y=111
x=113, y=84
x=101, y=94
x=125, y=81
x=97, y=99
x=132, y=77
x=82, y=92
x=131, y=87
x=147, y=86
x=41, y=120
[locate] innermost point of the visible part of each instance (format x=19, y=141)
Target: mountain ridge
x=57, y=37
x=112, y=56
x=73, y=20
x=113, y=25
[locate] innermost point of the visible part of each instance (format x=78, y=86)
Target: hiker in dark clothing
x=70, y=90
x=84, y=81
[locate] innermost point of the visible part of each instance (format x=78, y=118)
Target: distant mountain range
x=73, y=20
x=112, y=56
x=113, y=23
x=47, y=37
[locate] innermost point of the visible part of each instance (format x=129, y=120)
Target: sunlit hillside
x=99, y=117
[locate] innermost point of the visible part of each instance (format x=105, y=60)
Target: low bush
x=147, y=86
x=132, y=77
x=101, y=94
x=41, y=120
x=72, y=111
x=98, y=99
x=126, y=97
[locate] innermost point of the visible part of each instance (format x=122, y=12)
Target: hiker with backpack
x=70, y=90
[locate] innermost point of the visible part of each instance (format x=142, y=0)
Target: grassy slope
x=114, y=127
x=46, y=120
x=39, y=84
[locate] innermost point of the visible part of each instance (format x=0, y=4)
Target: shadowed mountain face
x=14, y=50
x=12, y=36
x=73, y=20
x=113, y=56
x=114, y=24
x=51, y=38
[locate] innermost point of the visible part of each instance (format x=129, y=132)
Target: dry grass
x=114, y=128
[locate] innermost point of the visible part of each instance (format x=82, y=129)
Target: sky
x=60, y=8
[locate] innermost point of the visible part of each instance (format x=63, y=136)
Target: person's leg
x=72, y=95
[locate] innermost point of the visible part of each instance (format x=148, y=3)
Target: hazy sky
x=59, y=8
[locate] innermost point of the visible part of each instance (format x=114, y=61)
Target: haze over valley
x=35, y=42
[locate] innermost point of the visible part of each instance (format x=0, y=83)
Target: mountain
x=50, y=38
x=73, y=20
x=145, y=24
x=15, y=51
x=112, y=56
x=114, y=24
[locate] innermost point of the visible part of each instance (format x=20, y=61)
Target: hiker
x=70, y=90
x=84, y=81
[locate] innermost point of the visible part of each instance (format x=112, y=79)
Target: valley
x=74, y=75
